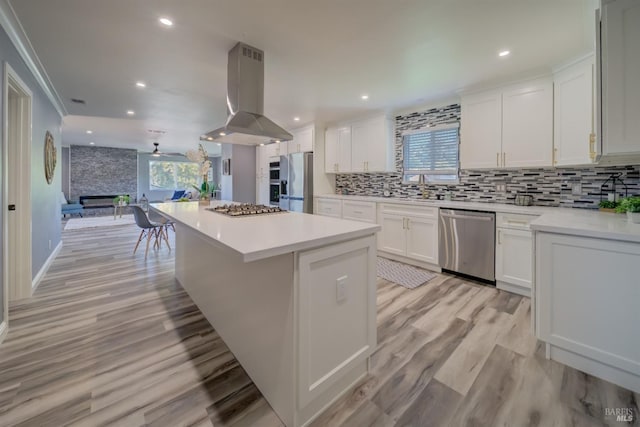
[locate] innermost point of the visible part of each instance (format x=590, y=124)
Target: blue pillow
x=177, y=194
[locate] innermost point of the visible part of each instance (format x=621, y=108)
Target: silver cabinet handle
x=408, y=223
x=499, y=237
x=357, y=212
x=498, y=160
x=504, y=160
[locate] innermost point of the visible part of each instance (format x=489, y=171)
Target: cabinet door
x=527, y=125
x=620, y=83
x=422, y=239
x=331, y=144
x=480, y=134
x=302, y=141
x=344, y=149
x=371, y=145
x=392, y=236
x=573, y=114
x=329, y=207
x=513, y=257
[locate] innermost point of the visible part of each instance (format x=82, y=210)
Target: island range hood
x=246, y=123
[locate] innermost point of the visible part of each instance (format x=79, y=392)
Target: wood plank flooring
x=111, y=339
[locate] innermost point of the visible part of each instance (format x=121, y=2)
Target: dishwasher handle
x=479, y=218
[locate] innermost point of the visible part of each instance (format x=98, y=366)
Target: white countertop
x=577, y=222
x=263, y=236
x=487, y=207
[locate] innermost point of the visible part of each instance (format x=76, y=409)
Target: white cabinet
x=359, y=211
x=362, y=146
x=337, y=150
x=527, y=125
x=510, y=127
x=409, y=231
x=573, y=112
x=514, y=253
x=328, y=207
x=372, y=146
x=481, y=131
x=302, y=141
x=620, y=57
x=586, y=305
x=262, y=175
x=272, y=150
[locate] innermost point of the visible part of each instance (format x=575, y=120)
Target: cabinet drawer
x=359, y=211
x=329, y=207
x=516, y=221
x=408, y=210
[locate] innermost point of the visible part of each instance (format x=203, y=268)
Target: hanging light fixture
x=156, y=152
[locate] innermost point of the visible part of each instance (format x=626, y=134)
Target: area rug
x=98, y=221
x=404, y=275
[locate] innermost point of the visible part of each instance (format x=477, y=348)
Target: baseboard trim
x=45, y=267
x=514, y=289
x=3, y=331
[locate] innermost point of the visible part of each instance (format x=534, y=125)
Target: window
x=166, y=175
x=432, y=152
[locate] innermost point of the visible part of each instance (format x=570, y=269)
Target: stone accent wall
x=548, y=186
x=102, y=170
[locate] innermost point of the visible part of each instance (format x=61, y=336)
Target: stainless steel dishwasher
x=467, y=242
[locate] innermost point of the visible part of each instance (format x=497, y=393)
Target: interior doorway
x=16, y=221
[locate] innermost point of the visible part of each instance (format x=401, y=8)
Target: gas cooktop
x=245, y=209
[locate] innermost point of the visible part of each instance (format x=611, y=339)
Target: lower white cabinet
x=514, y=253
x=328, y=207
x=409, y=231
x=359, y=211
x=586, y=304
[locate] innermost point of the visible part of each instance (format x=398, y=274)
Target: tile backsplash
x=548, y=186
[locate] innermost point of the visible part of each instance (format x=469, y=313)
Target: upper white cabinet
x=573, y=110
x=302, y=141
x=620, y=62
x=362, y=146
x=510, y=127
x=372, y=145
x=337, y=146
x=527, y=125
x=262, y=174
x=481, y=131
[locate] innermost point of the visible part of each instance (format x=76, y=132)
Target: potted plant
x=630, y=205
x=608, y=206
x=121, y=200
x=201, y=157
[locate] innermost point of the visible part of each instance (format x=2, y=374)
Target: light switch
x=341, y=289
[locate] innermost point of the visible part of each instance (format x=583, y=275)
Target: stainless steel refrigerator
x=296, y=182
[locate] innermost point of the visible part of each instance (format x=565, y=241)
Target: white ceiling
x=320, y=56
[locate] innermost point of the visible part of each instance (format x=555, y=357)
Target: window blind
x=431, y=151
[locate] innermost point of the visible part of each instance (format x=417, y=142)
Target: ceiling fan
x=156, y=152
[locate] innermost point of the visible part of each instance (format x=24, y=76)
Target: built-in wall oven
x=274, y=182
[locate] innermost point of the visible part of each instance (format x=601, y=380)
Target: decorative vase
x=204, y=201
x=633, y=217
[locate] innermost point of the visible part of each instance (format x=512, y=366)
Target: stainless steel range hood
x=245, y=102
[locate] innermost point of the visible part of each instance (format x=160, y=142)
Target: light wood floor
x=109, y=339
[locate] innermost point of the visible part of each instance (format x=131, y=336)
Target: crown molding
x=11, y=24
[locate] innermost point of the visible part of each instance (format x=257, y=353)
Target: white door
x=527, y=125
x=331, y=142
x=573, y=114
x=422, y=239
x=513, y=256
x=480, y=133
x=392, y=236
x=620, y=71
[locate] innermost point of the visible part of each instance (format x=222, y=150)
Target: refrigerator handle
x=283, y=188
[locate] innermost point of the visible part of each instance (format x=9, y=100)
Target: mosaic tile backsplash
x=548, y=186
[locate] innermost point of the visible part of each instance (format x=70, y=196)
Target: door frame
x=23, y=286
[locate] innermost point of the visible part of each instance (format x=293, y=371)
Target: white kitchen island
x=292, y=295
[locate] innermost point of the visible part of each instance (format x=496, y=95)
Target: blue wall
x=45, y=203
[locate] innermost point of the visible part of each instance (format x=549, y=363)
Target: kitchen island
x=292, y=295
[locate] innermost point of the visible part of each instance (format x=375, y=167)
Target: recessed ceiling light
x=141, y=84
x=296, y=119
x=131, y=112
x=166, y=22
x=92, y=143
x=222, y=134
x=89, y=132
x=262, y=145
x=210, y=138
x=504, y=53
x=277, y=141
x=364, y=97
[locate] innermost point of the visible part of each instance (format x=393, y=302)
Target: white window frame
x=430, y=176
